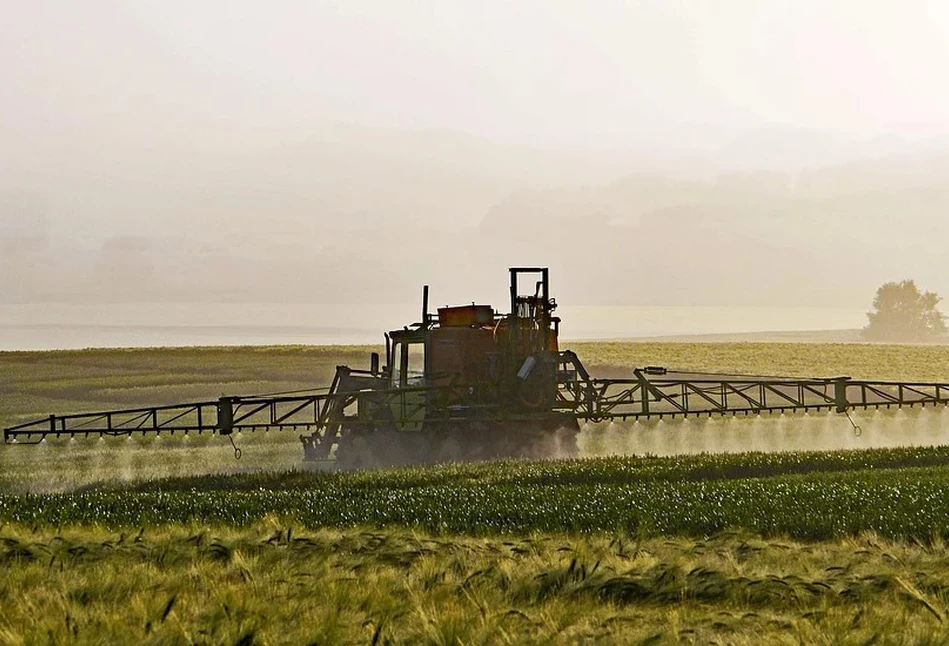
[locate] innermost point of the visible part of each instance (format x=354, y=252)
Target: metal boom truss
x=651, y=393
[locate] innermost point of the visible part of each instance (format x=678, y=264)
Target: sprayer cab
x=494, y=361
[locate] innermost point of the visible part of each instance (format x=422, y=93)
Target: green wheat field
x=708, y=531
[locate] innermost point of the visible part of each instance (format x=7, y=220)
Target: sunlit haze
x=720, y=155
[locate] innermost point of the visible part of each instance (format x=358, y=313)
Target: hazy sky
x=603, y=73
x=202, y=132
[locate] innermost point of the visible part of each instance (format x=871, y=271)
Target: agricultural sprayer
x=469, y=383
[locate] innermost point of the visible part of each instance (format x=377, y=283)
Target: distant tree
x=902, y=313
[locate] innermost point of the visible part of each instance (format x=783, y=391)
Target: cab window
x=408, y=364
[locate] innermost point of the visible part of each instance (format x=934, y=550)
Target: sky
x=228, y=129
x=607, y=74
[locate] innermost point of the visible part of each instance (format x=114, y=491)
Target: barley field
x=272, y=583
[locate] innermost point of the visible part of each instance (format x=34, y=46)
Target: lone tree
x=902, y=313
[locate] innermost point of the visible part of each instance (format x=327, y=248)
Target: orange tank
x=466, y=315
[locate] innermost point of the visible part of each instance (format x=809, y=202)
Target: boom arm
x=651, y=393
x=223, y=416
x=606, y=399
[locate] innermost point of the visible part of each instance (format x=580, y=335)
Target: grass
x=273, y=583
x=172, y=541
x=37, y=383
x=857, y=360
